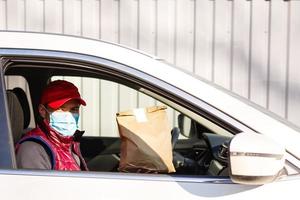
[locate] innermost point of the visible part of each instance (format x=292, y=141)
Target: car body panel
x=122, y=186
x=143, y=62
x=37, y=184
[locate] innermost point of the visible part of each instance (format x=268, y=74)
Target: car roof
x=150, y=65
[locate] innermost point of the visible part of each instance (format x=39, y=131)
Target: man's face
x=70, y=106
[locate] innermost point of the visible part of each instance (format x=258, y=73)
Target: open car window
x=106, y=98
x=194, y=151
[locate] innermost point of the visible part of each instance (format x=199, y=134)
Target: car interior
x=200, y=146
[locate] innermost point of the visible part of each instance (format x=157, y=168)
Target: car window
x=105, y=98
x=107, y=94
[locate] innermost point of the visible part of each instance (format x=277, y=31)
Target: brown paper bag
x=145, y=140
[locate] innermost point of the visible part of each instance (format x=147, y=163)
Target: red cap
x=57, y=93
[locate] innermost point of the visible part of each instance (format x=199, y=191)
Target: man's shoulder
x=32, y=155
x=34, y=142
x=31, y=146
x=34, y=134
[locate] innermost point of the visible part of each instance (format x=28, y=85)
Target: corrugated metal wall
x=251, y=47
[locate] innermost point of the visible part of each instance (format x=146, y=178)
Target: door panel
x=124, y=186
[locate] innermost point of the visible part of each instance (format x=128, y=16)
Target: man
x=54, y=143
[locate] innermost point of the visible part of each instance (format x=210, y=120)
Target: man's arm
x=32, y=155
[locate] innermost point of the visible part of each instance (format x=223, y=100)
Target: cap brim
x=56, y=104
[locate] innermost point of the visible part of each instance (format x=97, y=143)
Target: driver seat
x=16, y=115
x=19, y=112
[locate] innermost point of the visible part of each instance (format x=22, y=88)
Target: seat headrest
x=21, y=95
x=16, y=115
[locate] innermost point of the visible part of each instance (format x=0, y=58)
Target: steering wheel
x=175, y=132
x=179, y=161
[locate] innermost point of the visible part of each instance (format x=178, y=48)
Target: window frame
x=6, y=141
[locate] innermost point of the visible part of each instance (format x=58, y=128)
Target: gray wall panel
x=72, y=17
x=165, y=26
x=222, y=43
x=293, y=102
x=184, y=34
x=53, y=16
x=109, y=20
x=3, y=15
x=91, y=18
x=204, y=35
x=259, y=52
x=277, y=70
x=249, y=47
x=34, y=15
x=241, y=48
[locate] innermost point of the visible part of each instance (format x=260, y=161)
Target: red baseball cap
x=57, y=93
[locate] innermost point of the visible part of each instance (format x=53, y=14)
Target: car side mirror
x=255, y=159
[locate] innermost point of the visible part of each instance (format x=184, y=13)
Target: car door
x=37, y=184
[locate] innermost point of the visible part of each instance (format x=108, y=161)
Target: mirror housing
x=255, y=159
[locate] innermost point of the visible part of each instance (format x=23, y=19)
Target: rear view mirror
x=186, y=126
x=255, y=159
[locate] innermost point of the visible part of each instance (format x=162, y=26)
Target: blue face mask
x=65, y=123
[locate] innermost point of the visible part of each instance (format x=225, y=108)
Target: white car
x=228, y=148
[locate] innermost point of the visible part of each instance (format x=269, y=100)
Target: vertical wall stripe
x=287, y=85
x=62, y=16
x=269, y=55
x=81, y=18
x=25, y=15
x=175, y=45
x=3, y=14
x=138, y=40
x=100, y=20
x=119, y=20
x=232, y=45
x=213, y=43
x=24, y=18
x=194, y=36
x=44, y=16
x=6, y=14
x=156, y=28
x=175, y=33
x=138, y=24
x=250, y=50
